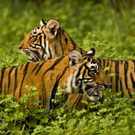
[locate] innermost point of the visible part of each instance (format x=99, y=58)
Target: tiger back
x=120, y=74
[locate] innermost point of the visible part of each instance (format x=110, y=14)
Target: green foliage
x=115, y=115
x=90, y=25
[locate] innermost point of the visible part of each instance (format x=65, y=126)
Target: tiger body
x=15, y=79
x=47, y=77
x=120, y=74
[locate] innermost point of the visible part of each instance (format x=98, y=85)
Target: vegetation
x=90, y=24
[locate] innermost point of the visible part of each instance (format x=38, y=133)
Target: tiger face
x=46, y=41
x=88, y=82
x=33, y=44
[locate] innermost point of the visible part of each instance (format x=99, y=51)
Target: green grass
x=115, y=115
x=90, y=25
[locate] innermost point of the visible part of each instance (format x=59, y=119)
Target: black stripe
x=24, y=75
x=44, y=53
x=56, y=62
x=133, y=82
x=55, y=51
x=80, y=87
x=121, y=88
x=80, y=68
x=61, y=44
x=37, y=55
x=116, y=75
x=15, y=83
x=44, y=38
x=112, y=76
x=84, y=71
x=50, y=53
x=125, y=74
x=103, y=63
x=43, y=47
x=66, y=40
x=1, y=80
x=39, y=67
x=80, y=79
x=9, y=79
x=36, y=66
x=54, y=90
x=40, y=41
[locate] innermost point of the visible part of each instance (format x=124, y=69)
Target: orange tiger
x=47, y=41
x=72, y=74
x=120, y=74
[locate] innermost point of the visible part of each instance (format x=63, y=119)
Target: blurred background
x=107, y=25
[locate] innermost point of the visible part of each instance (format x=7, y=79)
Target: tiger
x=118, y=75
x=72, y=74
x=47, y=40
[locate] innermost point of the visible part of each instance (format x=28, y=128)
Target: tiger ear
x=42, y=22
x=53, y=27
x=74, y=57
x=90, y=54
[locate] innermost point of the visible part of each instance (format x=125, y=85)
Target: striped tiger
x=46, y=41
x=71, y=73
x=120, y=74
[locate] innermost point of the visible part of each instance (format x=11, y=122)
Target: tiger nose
x=20, y=46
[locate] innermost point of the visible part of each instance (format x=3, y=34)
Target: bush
x=115, y=115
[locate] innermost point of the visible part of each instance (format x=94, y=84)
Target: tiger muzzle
x=93, y=91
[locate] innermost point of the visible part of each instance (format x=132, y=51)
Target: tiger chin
x=46, y=41
x=72, y=73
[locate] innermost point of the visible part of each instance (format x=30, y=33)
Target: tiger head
x=48, y=40
x=31, y=44
x=84, y=79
